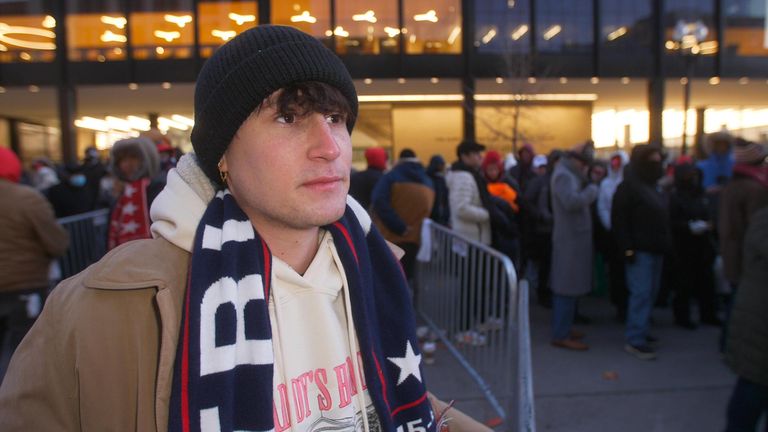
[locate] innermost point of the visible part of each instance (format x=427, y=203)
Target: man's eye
x=335, y=118
x=286, y=118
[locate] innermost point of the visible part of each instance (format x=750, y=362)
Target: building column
x=698, y=141
x=66, y=93
x=656, y=78
x=468, y=79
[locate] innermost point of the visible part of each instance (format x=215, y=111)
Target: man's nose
x=324, y=145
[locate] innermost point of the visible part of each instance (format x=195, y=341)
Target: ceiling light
x=224, y=35
x=108, y=36
x=489, y=36
x=454, y=35
x=368, y=81
x=563, y=80
x=552, y=32
x=160, y=50
x=594, y=80
x=401, y=80
x=743, y=80
x=625, y=80
x=339, y=31
x=304, y=17
x=683, y=80
x=100, y=58
x=133, y=86
x=165, y=123
x=560, y=97
x=531, y=80
x=619, y=32
x=118, y=124
x=369, y=16
x=3, y=48
x=519, y=32
x=242, y=19
x=34, y=89
x=6, y=29
x=391, y=31
x=714, y=80
x=118, y=22
x=412, y=98
x=499, y=80
x=2, y=89
x=430, y=16
x=671, y=45
x=139, y=123
x=166, y=85
x=183, y=120
x=168, y=36
x=92, y=123
x=25, y=56
x=49, y=22
x=179, y=20
x=434, y=80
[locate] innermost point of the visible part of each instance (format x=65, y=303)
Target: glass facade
x=367, y=27
x=311, y=16
x=96, y=31
x=27, y=32
x=690, y=35
x=564, y=27
x=220, y=21
x=162, y=30
x=745, y=37
x=432, y=27
x=503, y=27
x=625, y=37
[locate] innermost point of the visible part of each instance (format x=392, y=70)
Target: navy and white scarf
x=223, y=372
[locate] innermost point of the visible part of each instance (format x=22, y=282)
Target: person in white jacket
x=466, y=188
x=617, y=284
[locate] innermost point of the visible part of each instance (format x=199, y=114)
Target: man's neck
x=297, y=248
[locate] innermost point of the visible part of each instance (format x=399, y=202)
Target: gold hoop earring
x=223, y=174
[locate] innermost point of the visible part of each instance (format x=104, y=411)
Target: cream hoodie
x=318, y=377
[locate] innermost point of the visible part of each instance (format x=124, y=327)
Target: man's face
x=598, y=173
x=526, y=157
x=615, y=163
x=290, y=170
x=473, y=159
x=129, y=165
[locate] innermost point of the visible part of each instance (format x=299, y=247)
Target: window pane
x=29, y=35
x=96, y=31
x=310, y=16
x=745, y=28
x=162, y=30
x=689, y=27
x=564, y=27
x=433, y=27
x=625, y=36
x=366, y=27
x=503, y=27
x=220, y=21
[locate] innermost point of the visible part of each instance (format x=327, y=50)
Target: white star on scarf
x=130, y=228
x=129, y=191
x=409, y=365
x=129, y=209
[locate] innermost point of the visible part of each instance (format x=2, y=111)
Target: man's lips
x=323, y=181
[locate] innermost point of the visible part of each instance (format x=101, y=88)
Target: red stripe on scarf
x=344, y=231
x=417, y=402
x=267, y=269
x=383, y=381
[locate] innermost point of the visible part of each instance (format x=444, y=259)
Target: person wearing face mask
x=640, y=222
x=694, y=253
x=71, y=196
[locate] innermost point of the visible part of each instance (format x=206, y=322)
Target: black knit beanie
x=245, y=71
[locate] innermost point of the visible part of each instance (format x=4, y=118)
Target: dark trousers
x=14, y=322
x=749, y=401
x=695, y=280
x=617, y=280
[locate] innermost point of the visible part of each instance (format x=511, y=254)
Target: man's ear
x=223, y=164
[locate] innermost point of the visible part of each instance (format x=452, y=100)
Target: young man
x=256, y=305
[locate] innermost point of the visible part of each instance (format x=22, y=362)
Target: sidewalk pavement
x=605, y=389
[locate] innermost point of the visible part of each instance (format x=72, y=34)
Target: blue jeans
x=643, y=282
x=563, y=311
x=748, y=403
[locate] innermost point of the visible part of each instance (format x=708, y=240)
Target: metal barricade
x=87, y=240
x=469, y=295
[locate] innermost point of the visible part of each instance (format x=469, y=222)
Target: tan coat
x=30, y=238
x=101, y=355
x=413, y=203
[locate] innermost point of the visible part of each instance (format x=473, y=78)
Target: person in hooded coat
x=136, y=164
x=441, y=210
x=361, y=183
x=640, y=223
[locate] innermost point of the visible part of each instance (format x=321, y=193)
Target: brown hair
x=310, y=96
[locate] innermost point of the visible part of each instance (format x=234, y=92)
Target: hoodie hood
x=142, y=148
x=617, y=174
x=10, y=166
x=177, y=210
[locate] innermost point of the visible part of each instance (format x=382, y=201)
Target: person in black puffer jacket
x=640, y=221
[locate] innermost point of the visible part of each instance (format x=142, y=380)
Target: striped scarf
x=224, y=361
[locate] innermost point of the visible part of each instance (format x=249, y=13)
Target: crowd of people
x=654, y=230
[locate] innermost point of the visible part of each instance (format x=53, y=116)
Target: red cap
x=376, y=157
x=10, y=166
